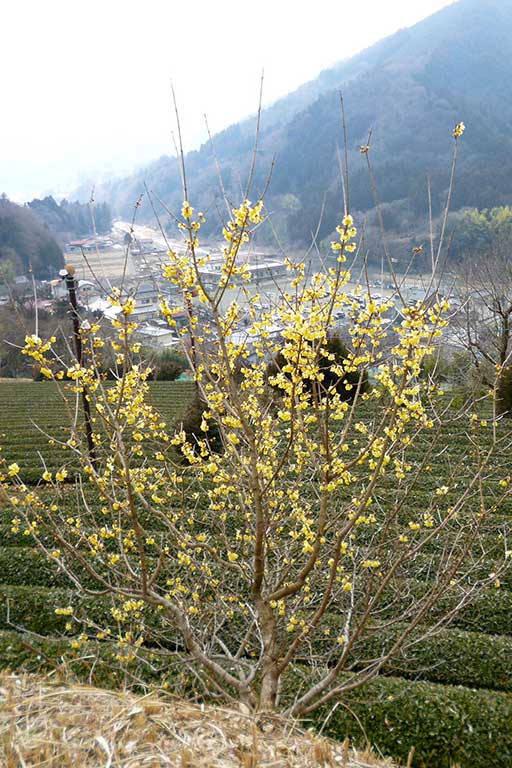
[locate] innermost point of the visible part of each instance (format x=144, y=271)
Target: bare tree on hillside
x=485, y=319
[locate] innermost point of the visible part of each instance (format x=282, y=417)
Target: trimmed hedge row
x=427, y=564
x=33, y=608
x=170, y=398
x=447, y=725
x=450, y=656
x=95, y=662
x=490, y=610
x=28, y=565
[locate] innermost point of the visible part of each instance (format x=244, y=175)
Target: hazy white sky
x=85, y=84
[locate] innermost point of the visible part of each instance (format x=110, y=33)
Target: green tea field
x=450, y=696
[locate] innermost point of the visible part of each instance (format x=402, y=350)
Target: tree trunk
x=269, y=676
x=504, y=393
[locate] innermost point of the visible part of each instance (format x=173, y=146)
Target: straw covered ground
x=47, y=723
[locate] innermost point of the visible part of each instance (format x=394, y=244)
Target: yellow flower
x=13, y=469
x=128, y=306
x=458, y=130
x=187, y=210
x=47, y=476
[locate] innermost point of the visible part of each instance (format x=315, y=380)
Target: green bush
x=447, y=725
x=168, y=365
x=191, y=425
x=95, y=662
x=491, y=609
x=33, y=608
x=450, y=656
x=346, y=386
x=30, y=567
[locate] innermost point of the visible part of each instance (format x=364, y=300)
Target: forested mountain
x=26, y=242
x=409, y=89
x=71, y=220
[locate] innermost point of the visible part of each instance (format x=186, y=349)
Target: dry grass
x=45, y=723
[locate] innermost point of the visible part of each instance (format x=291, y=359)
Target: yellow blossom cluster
x=458, y=130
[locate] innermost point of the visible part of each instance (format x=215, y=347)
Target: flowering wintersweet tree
x=290, y=564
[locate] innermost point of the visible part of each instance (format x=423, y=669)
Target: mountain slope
x=26, y=242
x=71, y=220
x=410, y=89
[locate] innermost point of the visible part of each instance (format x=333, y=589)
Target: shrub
x=261, y=543
x=334, y=353
x=192, y=425
x=168, y=365
x=446, y=725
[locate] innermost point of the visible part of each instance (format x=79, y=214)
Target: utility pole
x=68, y=275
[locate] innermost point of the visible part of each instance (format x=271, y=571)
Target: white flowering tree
x=298, y=551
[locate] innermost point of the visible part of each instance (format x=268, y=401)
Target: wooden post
x=68, y=274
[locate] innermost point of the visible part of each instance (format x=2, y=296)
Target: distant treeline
x=25, y=241
x=71, y=220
